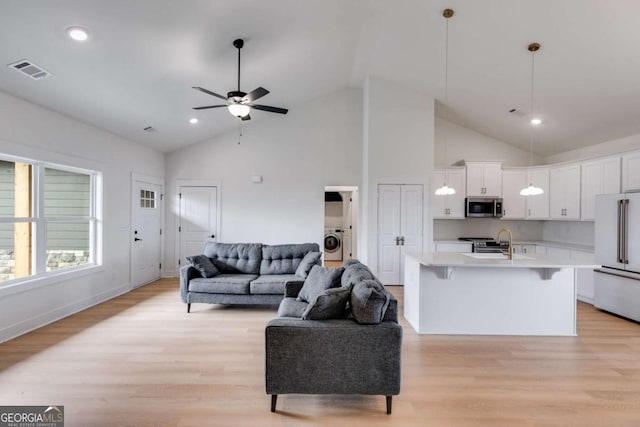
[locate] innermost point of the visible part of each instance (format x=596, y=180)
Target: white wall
x=615, y=146
x=398, y=149
x=35, y=132
x=315, y=145
x=466, y=144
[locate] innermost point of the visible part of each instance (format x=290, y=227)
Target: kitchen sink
x=493, y=255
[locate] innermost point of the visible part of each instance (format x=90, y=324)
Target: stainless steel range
x=486, y=244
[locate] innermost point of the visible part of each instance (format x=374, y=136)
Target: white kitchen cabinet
x=514, y=206
x=459, y=247
x=538, y=206
x=558, y=253
x=600, y=176
x=524, y=249
x=564, y=192
x=484, y=179
x=631, y=172
x=540, y=250
x=585, y=277
x=448, y=207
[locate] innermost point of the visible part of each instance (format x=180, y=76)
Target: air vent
x=516, y=112
x=30, y=69
x=149, y=129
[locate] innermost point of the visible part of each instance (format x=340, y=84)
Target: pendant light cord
x=531, y=108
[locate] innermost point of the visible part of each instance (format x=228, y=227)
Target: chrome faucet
x=509, y=252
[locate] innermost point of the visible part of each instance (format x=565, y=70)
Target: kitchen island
x=488, y=294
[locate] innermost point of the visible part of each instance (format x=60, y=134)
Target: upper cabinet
x=600, y=176
x=564, y=192
x=631, y=172
x=538, y=206
x=484, y=179
x=514, y=206
x=448, y=207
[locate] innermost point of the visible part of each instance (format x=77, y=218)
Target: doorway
x=340, y=224
x=198, y=219
x=146, y=234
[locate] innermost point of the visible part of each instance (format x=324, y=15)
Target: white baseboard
x=43, y=319
x=583, y=298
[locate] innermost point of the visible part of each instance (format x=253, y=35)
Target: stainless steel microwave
x=483, y=207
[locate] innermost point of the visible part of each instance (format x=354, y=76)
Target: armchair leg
x=274, y=399
x=389, y=404
x=189, y=308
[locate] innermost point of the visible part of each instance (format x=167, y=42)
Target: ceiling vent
x=30, y=69
x=149, y=129
x=517, y=113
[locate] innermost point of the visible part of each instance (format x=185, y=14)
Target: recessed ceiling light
x=193, y=120
x=78, y=33
x=536, y=121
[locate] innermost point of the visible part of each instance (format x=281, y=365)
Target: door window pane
x=15, y=250
x=67, y=244
x=147, y=199
x=66, y=193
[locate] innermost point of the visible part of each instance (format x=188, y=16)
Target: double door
x=399, y=228
x=617, y=231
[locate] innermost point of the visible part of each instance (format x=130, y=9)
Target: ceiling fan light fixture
x=239, y=110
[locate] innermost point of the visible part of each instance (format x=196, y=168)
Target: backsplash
x=449, y=229
x=579, y=232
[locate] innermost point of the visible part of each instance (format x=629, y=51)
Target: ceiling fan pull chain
x=239, y=130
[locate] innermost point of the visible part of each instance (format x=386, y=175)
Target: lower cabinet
x=524, y=249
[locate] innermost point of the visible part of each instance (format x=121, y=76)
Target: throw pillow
x=329, y=304
x=318, y=280
x=309, y=260
x=369, y=302
x=203, y=265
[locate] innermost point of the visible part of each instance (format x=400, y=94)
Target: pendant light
x=532, y=190
x=445, y=190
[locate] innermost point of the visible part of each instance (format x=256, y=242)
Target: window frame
x=39, y=221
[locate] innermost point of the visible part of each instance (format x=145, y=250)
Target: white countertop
x=440, y=259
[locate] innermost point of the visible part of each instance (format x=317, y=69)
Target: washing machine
x=333, y=244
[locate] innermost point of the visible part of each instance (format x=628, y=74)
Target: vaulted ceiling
x=143, y=57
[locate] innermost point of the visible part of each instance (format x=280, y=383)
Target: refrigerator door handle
x=625, y=222
x=620, y=237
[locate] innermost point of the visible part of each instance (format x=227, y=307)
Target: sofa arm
x=187, y=273
x=292, y=288
x=332, y=357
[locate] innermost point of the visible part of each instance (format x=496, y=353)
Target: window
x=147, y=199
x=47, y=218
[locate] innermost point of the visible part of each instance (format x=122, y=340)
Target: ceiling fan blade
x=247, y=117
x=255, y=94
x=270, y=109
x=201, y=89
x=208, y=106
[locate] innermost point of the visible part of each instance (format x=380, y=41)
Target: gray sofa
x=335, y=356
x=246, y=273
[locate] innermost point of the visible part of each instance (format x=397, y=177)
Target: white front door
x=198, y=223
x=146, y=234
x=399, y=229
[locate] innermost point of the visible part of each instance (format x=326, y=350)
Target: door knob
x=136, y=239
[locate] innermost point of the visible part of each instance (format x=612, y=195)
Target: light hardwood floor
x=141, y=360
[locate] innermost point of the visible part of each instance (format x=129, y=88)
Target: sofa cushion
x=369, y=302
x=284, y=259
x=271, y=284
x=329, y=304
x=318, y=280
x=307, y=263
x=223, y=284
x=290, y=307
x=203, y=265
x=354, y=273
x=235, y=258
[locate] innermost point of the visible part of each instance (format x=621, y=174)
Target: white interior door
x=389, y=199
x=198, y=221
x=146, y=235
x=410, y=222
x=347, y=226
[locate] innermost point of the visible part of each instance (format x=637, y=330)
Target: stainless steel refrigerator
x=617, y=249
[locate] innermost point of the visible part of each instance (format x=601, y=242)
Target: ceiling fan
x=240, y=103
